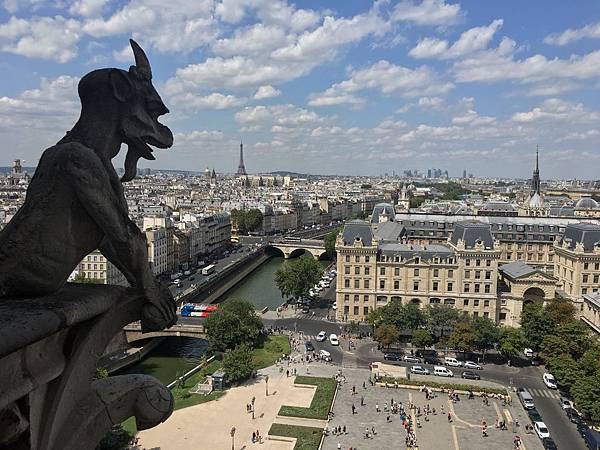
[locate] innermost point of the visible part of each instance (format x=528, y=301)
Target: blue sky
x=348, y=87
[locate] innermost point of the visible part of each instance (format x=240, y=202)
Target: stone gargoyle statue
x=75, y=201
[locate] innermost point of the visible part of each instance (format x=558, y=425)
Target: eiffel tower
x=241, y=168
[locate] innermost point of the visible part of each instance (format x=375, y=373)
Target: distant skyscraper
x=241, y=168
x=465, y=174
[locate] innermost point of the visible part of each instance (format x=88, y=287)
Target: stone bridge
x=133, y=332
x=292, y=248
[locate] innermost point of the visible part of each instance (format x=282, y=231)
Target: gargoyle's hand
x=160, y=311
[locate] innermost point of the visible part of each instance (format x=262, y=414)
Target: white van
x=442, y=371
x=452, y=362
x=526, y=400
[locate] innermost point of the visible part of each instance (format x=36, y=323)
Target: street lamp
x=266, y=385
x=232, y=438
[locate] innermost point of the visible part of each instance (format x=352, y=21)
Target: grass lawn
x=321, y=403
x=269, y=350
x=308, y=438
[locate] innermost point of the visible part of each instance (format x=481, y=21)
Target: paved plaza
x=464, y=432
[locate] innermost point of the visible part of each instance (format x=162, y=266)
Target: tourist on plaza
x=353, y=409
x=362, y=401
x=377, y=407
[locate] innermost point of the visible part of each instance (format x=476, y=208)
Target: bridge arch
x=297, y=252
x=274, y=251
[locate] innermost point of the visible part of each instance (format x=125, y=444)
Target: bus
x=292, y=238
x=196, y=310
x=208, y=270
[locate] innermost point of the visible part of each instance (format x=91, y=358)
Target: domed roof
x=586, y=202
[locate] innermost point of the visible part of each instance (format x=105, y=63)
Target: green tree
x=413, y=317
x=297, y=277
x=81, y=278
x=441, y=318
x=415, y=202
x=462, y=337
x=422, y=339
x=245, y=221
x=560, y=310
x=572, y=338
x=237, y=363
x=487, y=334
x=387, y=334
x=329, y=242
x=536, y=323
x=512, y=342
x=586, y=393
x=234, y=323
x=565, y=370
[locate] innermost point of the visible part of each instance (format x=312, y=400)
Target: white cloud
x=385, y=77
x=555, y=109
x=256, y=40
x=173, y=26
x=41, y=37
x=473, y=119
x=431, y=102
x=283, y=115
x=267, y=91
x=470, y=41
x=87, y=8
x=214, y=100
x=428, y=12
x=571, y=35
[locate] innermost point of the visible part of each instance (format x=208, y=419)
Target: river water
x=176, y=355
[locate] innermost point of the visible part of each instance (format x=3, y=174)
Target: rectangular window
x=366, y=284
x=476, y=287
x=584, y=291
x=347, y=258
x=450, y=273
x=486, y=314
x=436, y=272
x=466, y=302
x=502, y=316
x=356, y=310
x=356, y=297
x=486, y=303
x=466, y=287
x=486, y=288
x=367, y=259
x=475, y=314
x=356, y=284
x=382, y=271
x=488, y=275
x=347, y=270
x=416, y=272
x=467, y=262
x=365, y=310
x=488, y=262
x=585, y=278
x=477, y=262
x=397, y=271
x=435, y=285
x=381, y=284
x=585, y=266
x=357, y=259
x=475, y=302
x=467, y=274
x=396, y=285
x=346, y=297
x=365, y=298
x=367, y=270
x=477, y=274
x=356, y=270
x=346, y=309
x=450, y=286
x=595, y=279
x=416, y=286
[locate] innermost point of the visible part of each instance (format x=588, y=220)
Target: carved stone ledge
x=49, y=349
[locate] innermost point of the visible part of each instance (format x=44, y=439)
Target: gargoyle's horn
x=141, y=60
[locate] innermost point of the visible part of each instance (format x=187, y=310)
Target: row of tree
x=296, y=278
x=246, y=220
x=566, y=345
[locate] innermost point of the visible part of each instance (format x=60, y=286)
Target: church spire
x=535, y=180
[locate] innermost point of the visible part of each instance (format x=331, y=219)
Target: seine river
x=176, y=355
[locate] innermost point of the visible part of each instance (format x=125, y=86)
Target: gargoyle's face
x=141, y=127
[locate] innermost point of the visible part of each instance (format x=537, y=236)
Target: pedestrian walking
x=364, y=385
x=362, y=401
x=344, y=430
x=353, y=390
x=377, y=407
x=353, y=409
x=449, y=417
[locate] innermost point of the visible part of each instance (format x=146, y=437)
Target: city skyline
x=353, y=89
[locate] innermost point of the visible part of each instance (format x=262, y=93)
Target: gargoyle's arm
x=92, y=185
x=112, y=255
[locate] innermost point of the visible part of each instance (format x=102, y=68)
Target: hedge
x=442, y=385
x=321, y=403
x=307, y=438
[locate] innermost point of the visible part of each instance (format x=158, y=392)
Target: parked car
x=391, y=357
x=528, y=352
x=549, y=380
x=534, y=415
x=333, y=339
x=325, y=355
x=565, y=403
x=573, y=416
x=419, y=370
x=309, y=346
x=549, y=444
x=432, y=360
x=541, y=430
x=452, y=362
x=322, y=336
x=442, y=371
x=472, y=365
x=592, y=439
x=411, y=359
x=470, y=375
x=526, y=400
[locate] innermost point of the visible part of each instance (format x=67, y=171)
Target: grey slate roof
x=593, y=298
x=471, y=232
x=409, y=250
x=389, y=231
x=586, y=233
x=357, y=228
x=517, y=269
x=380, y=208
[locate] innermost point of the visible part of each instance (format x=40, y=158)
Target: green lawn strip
x=307, y=438
x=321, y=403
x=183, y=398
x=129, y=426
x=443, y=385
x=269, y=351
